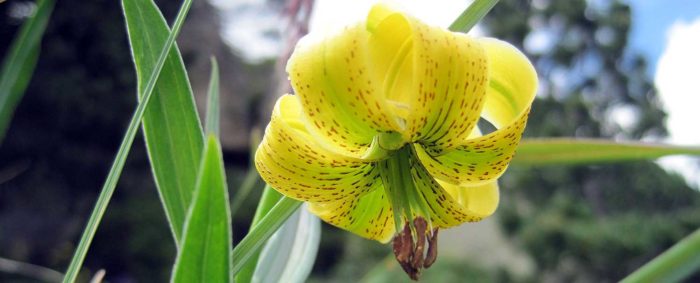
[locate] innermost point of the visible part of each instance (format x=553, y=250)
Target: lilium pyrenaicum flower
x=381, y=138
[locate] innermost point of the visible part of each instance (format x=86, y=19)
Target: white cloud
x=677, y=81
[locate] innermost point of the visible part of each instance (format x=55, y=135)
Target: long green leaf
x=290, y=253
x=582, y=151
x=674, y=265
x=267, y=201
x=171, y=126
x=472, y=15
x=213, y=117
x=204, y=255
x=118, y=164
x=18, y=66
x=262, y=231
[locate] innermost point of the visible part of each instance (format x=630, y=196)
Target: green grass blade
x=171, y=126
x=257, y=236
x=204, y=255
x=472, y=15
x=118, y=164
x=674, y=265
x=267, y=201
x=583, y=151
x=212, y=121
x=18, y=66
x=290, y=253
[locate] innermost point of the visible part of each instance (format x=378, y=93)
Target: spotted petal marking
x=447, y=208
x=293, y=163
x=435, y=78
x=339, y=93
x=369, y=216
x=512, y=87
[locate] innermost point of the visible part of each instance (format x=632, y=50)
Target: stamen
x=410, y=251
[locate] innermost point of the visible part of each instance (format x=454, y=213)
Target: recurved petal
x=292, y=162
x=369, y=216
x=435, y=79
x=512, y=87
x=339, y=93
x=480, y=199
x=448, y=206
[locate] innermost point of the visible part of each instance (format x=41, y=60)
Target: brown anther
x=418, y=258
x=410, y=252
x=403, y=244
x=431, y=256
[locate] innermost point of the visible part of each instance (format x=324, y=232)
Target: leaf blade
x=18, y=66
x=290, y=253
x=257, y=236
x=213, y=108
x=204, y=255
x=586, y=151
x=171, y=127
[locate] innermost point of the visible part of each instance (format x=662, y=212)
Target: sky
x=666, y=32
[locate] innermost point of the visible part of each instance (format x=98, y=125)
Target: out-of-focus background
x=614, y=69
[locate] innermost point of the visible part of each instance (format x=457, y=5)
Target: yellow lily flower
x=381, y=138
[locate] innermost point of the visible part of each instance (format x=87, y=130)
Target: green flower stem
x=675, y=264
x=472, y=15
x=116, y=169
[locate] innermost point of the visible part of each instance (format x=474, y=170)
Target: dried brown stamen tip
x=410, y=252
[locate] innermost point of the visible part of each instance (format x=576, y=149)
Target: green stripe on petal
x=445, y=208
x=512, y=83
x=290, y=161
x=369, y=216
x=339, y=93
x=512, y=87
x=434, y=79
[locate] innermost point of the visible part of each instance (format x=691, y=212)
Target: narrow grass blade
x=674, y=265
x=171, y=126
x=262, y=231
x=472, y=15
x=212, y=121
x=19, y=63
x=290, y=253
x=267, y=201
x=118, y=164
x=206, y=241
x=582, y=151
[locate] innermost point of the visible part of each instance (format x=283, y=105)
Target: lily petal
x=480, y=199
x=339, y=93
x=369, y=216
x=448, y=205
x=293, y=163
x=435, y=79
x=512, y=87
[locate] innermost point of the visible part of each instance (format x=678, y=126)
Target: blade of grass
x=252, y=178
x=118, y=164
x=18, y=66
x=204, y=255
x=472, y=15
x=582, y=151
x=171, y=126
x=267, y=201
x=257, y=236
x=290, y=253
x=674, y=265
x=213, y=109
